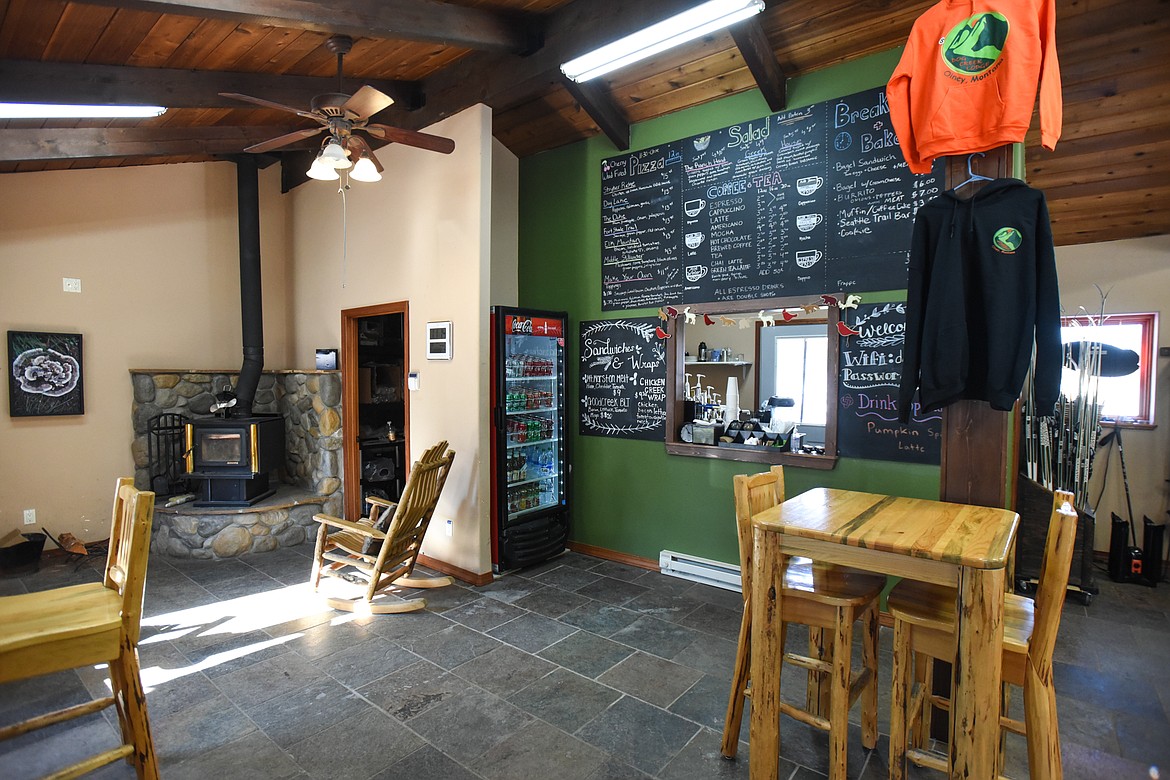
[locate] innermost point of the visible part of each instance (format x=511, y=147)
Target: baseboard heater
x=692, y=567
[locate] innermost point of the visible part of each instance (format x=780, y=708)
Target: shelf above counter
x=718, y=363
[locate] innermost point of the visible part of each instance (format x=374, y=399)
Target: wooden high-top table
x=966, y=547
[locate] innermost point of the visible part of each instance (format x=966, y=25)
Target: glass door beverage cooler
x=529, y=466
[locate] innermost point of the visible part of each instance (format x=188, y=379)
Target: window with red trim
x=1127, y=399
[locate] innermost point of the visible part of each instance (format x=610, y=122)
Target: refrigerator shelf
x=530, y=480
x=545, y=377
x=534, y=509
x=513, y=446
x=530, y=411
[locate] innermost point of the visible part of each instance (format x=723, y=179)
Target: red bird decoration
x=829, y=300
x=845, y=330
x=788, y=315
x=707, y=320
x=660, y=333
x=673, y=312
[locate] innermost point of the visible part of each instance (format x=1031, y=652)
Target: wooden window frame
x=1147, y=360
x=676, y=367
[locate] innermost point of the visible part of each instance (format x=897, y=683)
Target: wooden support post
x=975, y=467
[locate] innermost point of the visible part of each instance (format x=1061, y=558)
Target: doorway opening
x=375, y=354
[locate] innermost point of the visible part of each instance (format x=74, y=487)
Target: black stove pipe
x=251, y=299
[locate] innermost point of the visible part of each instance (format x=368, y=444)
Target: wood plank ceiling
x=1109, y=177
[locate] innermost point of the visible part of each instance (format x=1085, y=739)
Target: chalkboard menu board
x=623, y=379
x=867, y=396
x=807, y=201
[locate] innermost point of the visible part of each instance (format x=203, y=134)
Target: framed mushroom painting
x=44, y=374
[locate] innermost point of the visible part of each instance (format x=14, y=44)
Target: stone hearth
x=309, y=401
x=282, y=520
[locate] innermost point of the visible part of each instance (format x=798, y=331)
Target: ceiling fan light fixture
x=322, y=171
x=690, y=24
x=334, y=155
x=365, y=170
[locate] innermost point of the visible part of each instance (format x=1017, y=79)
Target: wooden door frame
x=351, y=478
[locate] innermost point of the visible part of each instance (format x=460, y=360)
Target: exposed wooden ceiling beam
x=411, y=20
x=596, y=101
x=757, y=53
x=496, y=80
x=56, y=143
x=24, y=81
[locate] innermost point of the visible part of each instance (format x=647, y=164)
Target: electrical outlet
x=71, y=284
x=30, y=517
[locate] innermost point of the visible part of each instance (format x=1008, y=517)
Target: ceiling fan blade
x=359, y=145
x=435, y=143
x=285, y=140
x=366, y=102
x=270, y=104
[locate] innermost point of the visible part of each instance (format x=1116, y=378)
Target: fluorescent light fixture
x=51, y=111
x=698, y=21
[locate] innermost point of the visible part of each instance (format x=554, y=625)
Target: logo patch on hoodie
x=1007, y=240
x=974, y=45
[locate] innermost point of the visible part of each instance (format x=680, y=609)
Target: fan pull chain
x=341, y=188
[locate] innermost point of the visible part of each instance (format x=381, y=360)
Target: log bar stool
x=924, y=624
x=82, y=625
x=822, y=597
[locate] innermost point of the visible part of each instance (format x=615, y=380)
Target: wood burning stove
x=230, y=460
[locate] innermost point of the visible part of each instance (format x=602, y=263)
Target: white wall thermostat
x=412, y=380
x=439, y=340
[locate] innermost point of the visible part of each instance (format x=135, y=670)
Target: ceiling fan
x=340, y=115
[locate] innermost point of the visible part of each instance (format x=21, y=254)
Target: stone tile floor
x=579, y=668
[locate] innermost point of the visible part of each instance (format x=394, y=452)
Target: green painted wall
x=629, y=496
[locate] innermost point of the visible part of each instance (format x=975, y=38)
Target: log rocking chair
x=383, y=547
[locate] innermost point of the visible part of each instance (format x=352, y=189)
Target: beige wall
x=739, y=341
x=424, y=234
x=157, y=251
x=1136, y=274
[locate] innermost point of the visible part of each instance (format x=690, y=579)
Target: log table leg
x=977, y=674
x=767, y=651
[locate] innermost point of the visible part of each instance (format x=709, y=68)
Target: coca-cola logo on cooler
x=535, y=326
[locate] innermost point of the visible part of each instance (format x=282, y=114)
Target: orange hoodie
x=967, y=79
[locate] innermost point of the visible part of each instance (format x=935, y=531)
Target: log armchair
x=383, y=547
x=85, y=625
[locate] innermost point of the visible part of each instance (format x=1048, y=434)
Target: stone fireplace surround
x=309, y=401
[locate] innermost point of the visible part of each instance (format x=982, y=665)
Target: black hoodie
x=982, y=283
